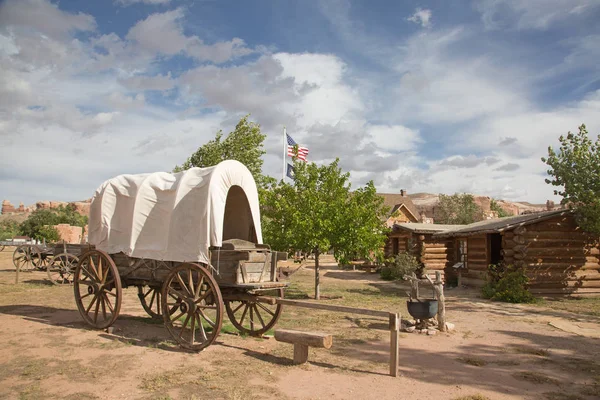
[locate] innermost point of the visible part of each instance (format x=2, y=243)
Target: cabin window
x=462, y=252
x=495, y=243
x=395, y=246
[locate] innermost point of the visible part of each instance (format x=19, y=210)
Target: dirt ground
x=497, y=351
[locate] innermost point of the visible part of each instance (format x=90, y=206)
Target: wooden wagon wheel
x=26, y=257
x=150, y=299
x=199, y=316
x=97, y=286
x=61, y=269
x=254, y=318
x=38, y=259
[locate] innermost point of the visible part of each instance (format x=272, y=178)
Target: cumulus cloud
x=469, y=161
x=163, y=33
x=508, y=167
x=44, y=17
x=145, y=82
x=160, y=32
x=126, y=3
x=507, y=141
x=123, y=102
x=421, y=17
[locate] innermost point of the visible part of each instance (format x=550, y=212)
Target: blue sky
x=439, y=96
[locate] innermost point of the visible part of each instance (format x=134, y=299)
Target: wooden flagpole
x=284, y=153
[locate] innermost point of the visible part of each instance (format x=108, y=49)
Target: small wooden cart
x=233, y=275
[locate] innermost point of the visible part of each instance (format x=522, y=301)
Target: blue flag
x=290, y=172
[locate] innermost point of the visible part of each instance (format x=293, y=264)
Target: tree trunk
x=317, y=284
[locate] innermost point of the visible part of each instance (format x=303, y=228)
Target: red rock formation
x=7, y=207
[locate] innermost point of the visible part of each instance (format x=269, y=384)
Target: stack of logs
x=436, y=256
x=515, y=247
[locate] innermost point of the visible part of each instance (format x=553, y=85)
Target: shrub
x=402, y=264
x=507, y=283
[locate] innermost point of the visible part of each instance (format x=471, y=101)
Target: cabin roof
x=426, y=228
x=500, y=224
x=394, y=201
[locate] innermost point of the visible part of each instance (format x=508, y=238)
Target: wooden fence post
x=394, y=328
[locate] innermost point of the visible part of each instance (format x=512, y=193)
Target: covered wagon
x=191, y=242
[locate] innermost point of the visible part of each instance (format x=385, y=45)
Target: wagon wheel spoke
x=183, y=285
x=97, y=309
x=191, y=283
x=266, y=309
x=187, y=319
x=93, y=269
x=259, y=316
x=199, y=287
x=244, y=314
x=87, y=310
x=193, y=328
x=109, y=304
x=103, y=306
x=238, y=307
x=199, y=311
x=202, y=330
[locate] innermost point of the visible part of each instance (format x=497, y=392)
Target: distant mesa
x=82, y=207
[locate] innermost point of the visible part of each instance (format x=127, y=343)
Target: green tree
x=38, y=225
x=361, y=233
x=575, y=171
x=494, y=206
x=244, y=144
x=8, y=229
x=317, y=213
x=458, y=209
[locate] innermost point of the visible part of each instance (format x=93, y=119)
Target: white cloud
x=126, y=3
x=164, y=33
x=438, y=86
x=469, y=161
x=44, y=17
x=394, y=138
x=160, y=32
x=144, y=82
x=122, y=102
x=531, y=14
x=421, y=17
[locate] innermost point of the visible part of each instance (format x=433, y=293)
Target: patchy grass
x=472, y=397
x=476, y=362
x=591, y=390
x=32, y=392
x=535, y=377
x=81, y=396
x=586, y=306
x=561, y=396
x=530, y=350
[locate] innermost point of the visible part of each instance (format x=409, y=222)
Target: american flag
x=302, y=151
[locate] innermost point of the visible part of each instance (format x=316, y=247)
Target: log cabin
x=558, y=257
x=417, y=239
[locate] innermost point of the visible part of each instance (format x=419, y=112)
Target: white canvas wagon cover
x=175, y=217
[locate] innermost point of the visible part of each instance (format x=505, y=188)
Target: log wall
x=435, y=255
x=477, y=260
x=558, y=257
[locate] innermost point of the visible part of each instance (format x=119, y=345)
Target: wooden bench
x=301, y=342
